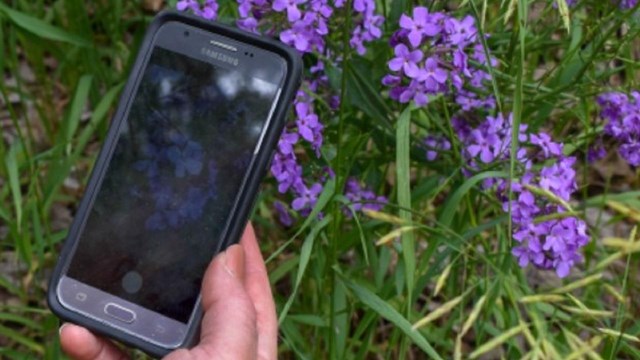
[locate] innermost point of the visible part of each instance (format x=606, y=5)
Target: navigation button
x=120, y=313
x=81, y=296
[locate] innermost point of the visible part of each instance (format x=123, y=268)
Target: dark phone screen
x=172, y=181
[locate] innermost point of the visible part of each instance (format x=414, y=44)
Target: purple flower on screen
x=187, y=159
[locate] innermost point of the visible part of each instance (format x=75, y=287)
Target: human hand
x=239, y=313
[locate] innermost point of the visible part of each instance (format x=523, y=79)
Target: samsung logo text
x=219, y=56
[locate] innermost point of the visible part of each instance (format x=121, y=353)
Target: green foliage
x=339, y=294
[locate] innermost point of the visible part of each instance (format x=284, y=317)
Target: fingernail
x=62, y=327
x=234, y=261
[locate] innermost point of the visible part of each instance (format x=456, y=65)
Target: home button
x=118, y=312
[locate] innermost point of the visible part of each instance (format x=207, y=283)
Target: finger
x=80, y=344
x=259, y=289
x=229, y=322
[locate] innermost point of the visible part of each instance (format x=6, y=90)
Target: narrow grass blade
x=625, y=210
x=550, y=196
x=305, y=256
x=394, y=234
x=620, y=334
x=442, y=279
x=13, y=174
x=548, y=298
x=392, y=315
x=563, y=9
x=403, y=173
x=377, y=215
x=615, y=293
x=439, y=312
x=589, y=312
x=473, y=316
x=497, y=341
x=452, y=203
x=70, y=125
x=13, y=335
x=578, y=284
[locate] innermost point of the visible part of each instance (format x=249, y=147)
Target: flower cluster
x=432, y=57
x=548, y=236
x=207, y=10
x=627, y=4
x=622, y=113
x=304, y=24
x=435, y=144
x=623, y=4
x=362, y=198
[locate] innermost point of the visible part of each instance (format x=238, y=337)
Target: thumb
x=229, y=329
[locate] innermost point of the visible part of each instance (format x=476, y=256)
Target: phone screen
x=172, y=181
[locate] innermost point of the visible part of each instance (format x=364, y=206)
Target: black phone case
x=247, y=195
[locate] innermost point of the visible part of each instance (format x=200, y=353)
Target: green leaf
x=15, y=336
x=41, y=28
x=325, y=196
x=403, y=173
x=13, y=173
x=450, y=207
x=392, y=315
x=305, y=256
x=72, y=120
x=365, y=96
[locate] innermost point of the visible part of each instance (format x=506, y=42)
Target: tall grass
x=431, y=275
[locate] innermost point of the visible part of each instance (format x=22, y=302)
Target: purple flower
x=483, y=144
x=419, y=25
x=286, y=142
x=622, y=113
x=298, y=36
x=627, y=4
x=552, y=244
x=283, y=214
x=187, y=159
x=548, y=147
x=208, y=10
x=449, y=43
x=406, y=61
x=432, y=75
x=291, y=6
x=435, y=145
x=307, y=197
x=461, y=33
x=362, y=198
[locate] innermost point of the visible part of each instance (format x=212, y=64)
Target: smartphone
x=175, y=180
